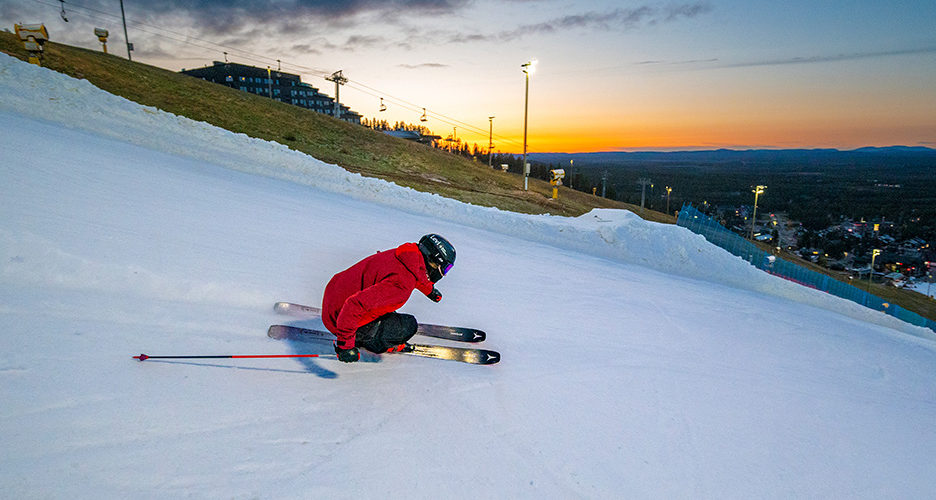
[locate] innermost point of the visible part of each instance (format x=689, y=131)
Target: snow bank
x=617, y=380
x=613, y=234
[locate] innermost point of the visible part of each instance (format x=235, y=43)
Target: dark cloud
x=310, y=26
x=295, y=15
x=224, y=16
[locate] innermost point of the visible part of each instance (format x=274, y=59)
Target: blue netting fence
x=697, y=222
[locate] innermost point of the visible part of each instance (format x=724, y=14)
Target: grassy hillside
x=353, y=147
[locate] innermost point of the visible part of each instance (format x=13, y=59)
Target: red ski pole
x=144, y=357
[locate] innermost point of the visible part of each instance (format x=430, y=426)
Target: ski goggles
x=446, y=268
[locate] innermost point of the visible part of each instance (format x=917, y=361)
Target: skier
x=359, y=305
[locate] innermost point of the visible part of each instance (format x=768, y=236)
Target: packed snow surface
x=638, y=360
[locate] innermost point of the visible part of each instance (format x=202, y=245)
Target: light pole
x=129, y=45
x=874, y=253
x=528, y=68
x=929, y=274
x=776, y=225
x=668, y=191
x=759, y=190
x=644, y=182
x=490, y=140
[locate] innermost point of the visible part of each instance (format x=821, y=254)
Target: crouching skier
x=359, y=305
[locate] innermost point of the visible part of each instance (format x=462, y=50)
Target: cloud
x=676, y=63
x=687, y=11
x=423, y=66
x=833, y=57
x=304, y=48
x=288, y=16
x=617, y=19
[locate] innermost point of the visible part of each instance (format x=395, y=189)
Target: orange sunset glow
x=611, y=75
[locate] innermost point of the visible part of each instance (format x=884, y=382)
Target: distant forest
x=815, y=187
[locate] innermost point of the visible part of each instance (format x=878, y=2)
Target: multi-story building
x=283, y=87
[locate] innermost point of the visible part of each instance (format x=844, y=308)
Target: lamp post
x=644, y=182
x=528, y=68
x=874, y=253
x=668, y=191
x=929, y=274
x=776, y=225
x=759, y=190
x=490, y=140
x=127, y=39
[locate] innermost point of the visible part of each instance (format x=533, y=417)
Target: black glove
x=347, y=355
x=435, y=295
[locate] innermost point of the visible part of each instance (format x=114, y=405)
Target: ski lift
x=423, y=117
x=383, y=107
x=63, y=11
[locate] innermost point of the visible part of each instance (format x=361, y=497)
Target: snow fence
x=697, y=222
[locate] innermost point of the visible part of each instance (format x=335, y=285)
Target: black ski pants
x=385, y=332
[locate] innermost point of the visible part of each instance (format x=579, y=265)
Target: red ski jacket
x=375, y=286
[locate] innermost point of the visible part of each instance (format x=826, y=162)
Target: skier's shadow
x=318, y=346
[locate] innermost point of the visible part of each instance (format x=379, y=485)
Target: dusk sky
x=625, y=75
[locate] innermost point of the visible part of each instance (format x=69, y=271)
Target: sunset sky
x=624, y=75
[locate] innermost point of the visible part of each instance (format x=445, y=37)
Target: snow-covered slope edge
x=612, y=234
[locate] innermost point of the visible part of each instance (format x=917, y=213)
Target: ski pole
x=144, y=357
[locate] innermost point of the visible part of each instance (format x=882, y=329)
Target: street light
x=668, y=191
x=759, y=190
x=929, y=274
x=776, y=225
x=874, y=253
x=528, y=69
x=490, y=140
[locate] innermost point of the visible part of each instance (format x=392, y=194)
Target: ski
x=472, y=356
x=290, y=309
x=456, y=333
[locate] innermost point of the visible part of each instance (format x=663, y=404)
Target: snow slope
x=924, y=288
x=638, y=360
